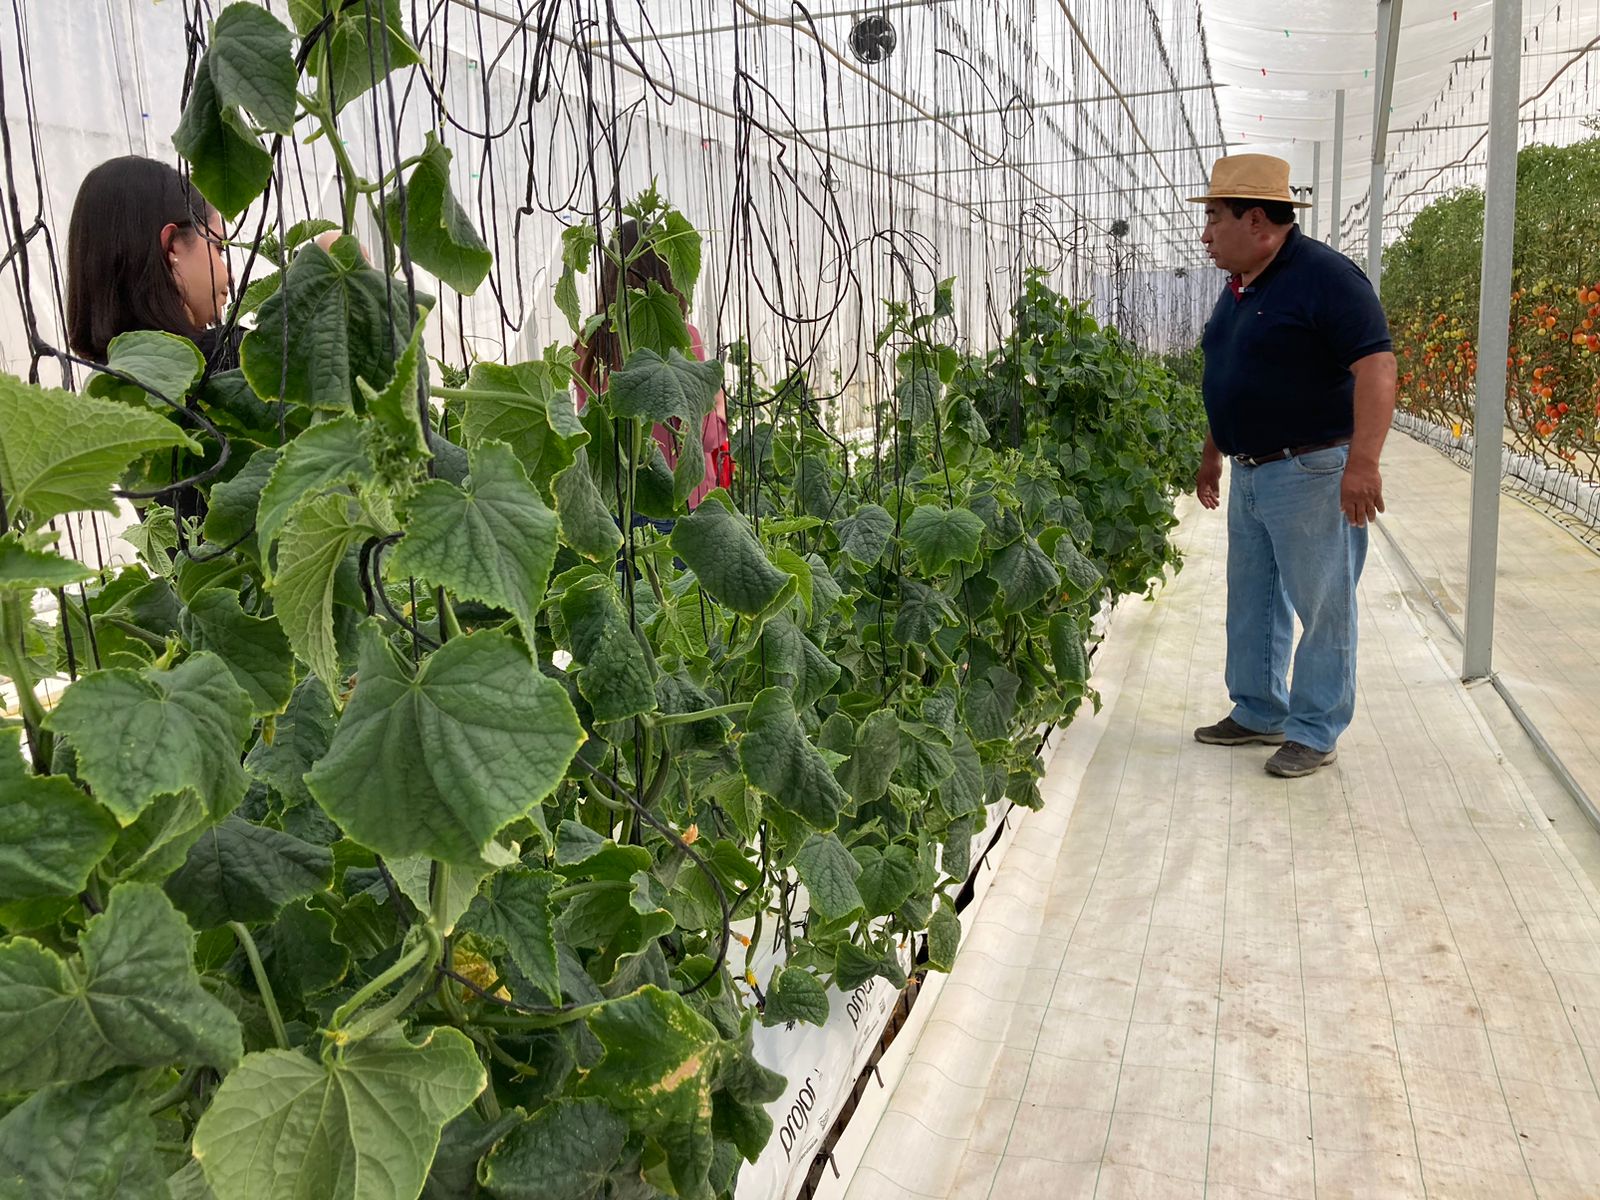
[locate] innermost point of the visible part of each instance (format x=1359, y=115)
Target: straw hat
x=1250, y=177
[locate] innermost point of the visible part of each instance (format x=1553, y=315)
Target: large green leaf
x=672, y=391
x=164, y=363
x=941, y=536
x=528, y=407
x=923, y=612
x=581, y=853
x=51, y=834
x=865, y=534
x=254, y=648
x=614, y=674
x=27, y=566
x=655, y=319
x=1080, y=576
x=362, y=1125
x=302, y=953
x=718, y=546
x=853, y=966
x=657, y=1068
x=788, y=658
x=425, y=218
x=565, y=1151
x=462, y=1146
x=242, y=872
x=132, y=998
x=62, y=453
x=586, y=523
x=662, y=388
x=1025, y=574
x=472, y=741
x=830, y=873
x=962, y=791
x=155, y=845
x=399, y=441
x=83, y=1141
x=232, y=505
x=1066, y=649
x=252, y=65
x=324, y=456
x=514, y=913
x=944, y=938
x=227, y=163
x=679, y=245
x=795, y=994
x=143, y=735
x=888, y=877
x=492, y=540
x=303, y=735
x=872, y=762
x=335, y=320
x=778, y=758
x=366, y=42
x=315, y=542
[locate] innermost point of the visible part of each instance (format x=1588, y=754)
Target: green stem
x=228, y=576
x=391, y=178
x=269, y=1001
x=323, y=111
x=594, y=793
x=588, y=885
x=153, y=640
x=11, y=634
x=427, y=949
x=447, y=618
x=175, y=1094
x=541, y=1020
x=660, y=720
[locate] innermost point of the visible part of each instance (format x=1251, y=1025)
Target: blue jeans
x=1291, y=551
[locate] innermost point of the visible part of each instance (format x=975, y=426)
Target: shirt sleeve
x=1351, y=318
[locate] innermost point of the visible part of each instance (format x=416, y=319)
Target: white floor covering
x=1193, y=979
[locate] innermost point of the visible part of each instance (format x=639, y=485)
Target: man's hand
x=1361, y=492
x=1208, y=481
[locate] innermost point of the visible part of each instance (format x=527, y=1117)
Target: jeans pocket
x=1322, y=462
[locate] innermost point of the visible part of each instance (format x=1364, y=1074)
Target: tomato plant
x=1430, y=290
x=416, y=815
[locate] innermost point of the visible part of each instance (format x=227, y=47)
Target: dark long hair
x=117, y=275
x=604, y=348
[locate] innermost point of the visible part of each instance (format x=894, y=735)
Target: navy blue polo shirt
x=1278, y=353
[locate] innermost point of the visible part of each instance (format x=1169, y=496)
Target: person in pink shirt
x=603, y=353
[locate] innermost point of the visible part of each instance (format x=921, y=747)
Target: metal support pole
x=1336, y=213
x=1316, y=187
x=1494, y=335
x=1382, y=95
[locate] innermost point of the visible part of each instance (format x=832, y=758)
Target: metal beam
x=1338, y=168
x=1316, y=186
x=1494, y=325
x=1019, y=107
x=1389, y=12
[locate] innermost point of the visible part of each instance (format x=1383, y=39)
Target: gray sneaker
x=1228, y=732
x=1295, y=759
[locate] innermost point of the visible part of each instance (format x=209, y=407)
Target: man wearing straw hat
x=1299, y=388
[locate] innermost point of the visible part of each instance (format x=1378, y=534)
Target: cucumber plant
x=416, y=816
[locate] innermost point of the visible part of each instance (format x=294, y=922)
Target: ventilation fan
x=873, y=39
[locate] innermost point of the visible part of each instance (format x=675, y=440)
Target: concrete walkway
x=1195, y=980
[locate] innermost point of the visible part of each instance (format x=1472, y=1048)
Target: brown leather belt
x=1259, y=460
